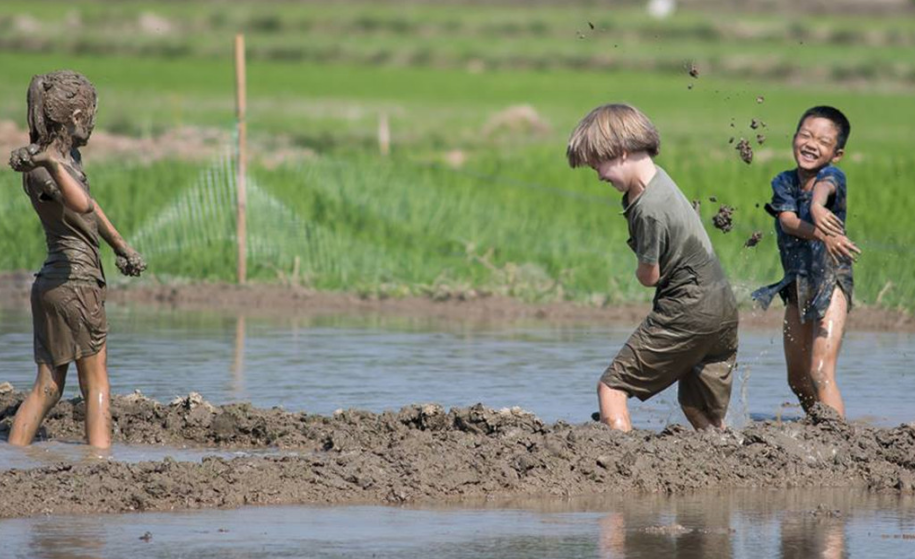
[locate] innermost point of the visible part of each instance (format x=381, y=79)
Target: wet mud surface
x=423, y=453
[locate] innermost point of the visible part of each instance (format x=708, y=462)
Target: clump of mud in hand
x=131, y=264
x=746, y=151
x=724, y=219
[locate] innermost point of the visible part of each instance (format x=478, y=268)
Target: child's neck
x=807, y=178
x=643, y=171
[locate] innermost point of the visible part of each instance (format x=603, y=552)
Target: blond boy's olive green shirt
x=693, y=295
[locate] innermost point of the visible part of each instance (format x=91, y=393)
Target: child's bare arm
x=838, y=246
x=824, y=219
x=129, y=261
x=71, y=193
x=648, y=274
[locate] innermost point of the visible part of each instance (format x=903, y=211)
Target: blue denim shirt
x=807, y=265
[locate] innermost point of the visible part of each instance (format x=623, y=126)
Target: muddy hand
x=841, y=248
x=130, y=263
x=826, y=221
x=24, y=159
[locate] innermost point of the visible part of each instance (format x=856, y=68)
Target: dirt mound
x=423, y=453
x=186, y=143
x=516, y=120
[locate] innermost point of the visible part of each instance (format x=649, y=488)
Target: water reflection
x=821, y=524
x=238, y=359
x=53, y=541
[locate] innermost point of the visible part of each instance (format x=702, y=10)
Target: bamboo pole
x=384, y=134
x=241, y=187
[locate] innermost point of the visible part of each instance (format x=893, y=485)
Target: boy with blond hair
x=690, y=335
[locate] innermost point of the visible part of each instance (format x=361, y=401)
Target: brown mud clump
x=724, y=219
x=131, y=264
x=425, y=454
x=697, y=206
x=693, y=70
x=745, y=150
x=754, y=239
x=760, y=139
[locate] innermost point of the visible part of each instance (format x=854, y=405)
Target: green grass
x=398, y=227
x=452, y=34
x=513, y=219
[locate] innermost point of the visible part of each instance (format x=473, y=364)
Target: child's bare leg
x=797, y=340
x=614, y=411
x=93, y=376
x=827, y=342
x=49, y=385
x=699, y=419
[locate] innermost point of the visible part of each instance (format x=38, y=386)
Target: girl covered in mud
x=809, y=207
x=68, y=296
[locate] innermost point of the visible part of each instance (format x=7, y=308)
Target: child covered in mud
x=68, y=295
x=690, y=335
x=809, y=204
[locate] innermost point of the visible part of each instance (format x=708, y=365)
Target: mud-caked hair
x=832, y=114
x=53, y=99
x=608, y=131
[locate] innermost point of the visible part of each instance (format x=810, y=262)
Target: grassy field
x=510, y=217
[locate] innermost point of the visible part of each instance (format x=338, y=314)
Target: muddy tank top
x=72, y=238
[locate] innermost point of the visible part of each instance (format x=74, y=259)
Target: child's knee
x=50, y=392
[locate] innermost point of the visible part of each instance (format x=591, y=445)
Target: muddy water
x=823, y=524
x=321, y=365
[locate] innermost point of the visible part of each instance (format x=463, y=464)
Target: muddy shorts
x=69, y=320
x=655, y=357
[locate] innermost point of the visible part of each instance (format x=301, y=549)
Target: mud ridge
x=266, y=299
x=423, y=453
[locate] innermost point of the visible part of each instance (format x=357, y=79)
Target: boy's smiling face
x=815, y=144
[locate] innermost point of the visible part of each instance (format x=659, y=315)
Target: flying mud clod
x=724, y=219
x=754, y=239
x=746, y=151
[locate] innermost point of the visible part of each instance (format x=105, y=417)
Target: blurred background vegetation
x=475, y=196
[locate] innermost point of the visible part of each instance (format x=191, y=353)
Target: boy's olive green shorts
x=655, y=357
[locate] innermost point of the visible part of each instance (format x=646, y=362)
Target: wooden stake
x=384, y=135
x=241, y=103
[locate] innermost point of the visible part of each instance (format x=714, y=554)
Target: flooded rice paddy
x=374, y=364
